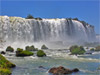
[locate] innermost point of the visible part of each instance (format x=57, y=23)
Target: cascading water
x=17, y=29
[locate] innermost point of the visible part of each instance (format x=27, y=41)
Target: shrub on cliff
x=75, y=19
x=29, y=17
x=41, y=53
x=77, y=50
x=44, y=47
x=38, y=18
x=9, y=49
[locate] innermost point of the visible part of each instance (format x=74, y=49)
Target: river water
x=87, y=64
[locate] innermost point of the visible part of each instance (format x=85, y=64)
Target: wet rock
x=62, y=71
x=2, y=52
x=98, y=68
x=41, y=67
x=75, y=70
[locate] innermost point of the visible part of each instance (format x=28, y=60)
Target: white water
x=18, y=32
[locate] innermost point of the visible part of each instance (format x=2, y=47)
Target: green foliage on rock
x=4, y=71
x=25, y=53
x=21, y=53
x=41, y=53
x=29, y=17
x=30, y=48
x=77, y=50
x=73, y=47
x=19, y=50
x=9, y=49
x=44, y=47
x=5, y=66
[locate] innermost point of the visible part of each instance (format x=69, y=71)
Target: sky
x=85, y=10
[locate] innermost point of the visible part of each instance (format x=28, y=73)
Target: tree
x=29, y=17
x=75, y=19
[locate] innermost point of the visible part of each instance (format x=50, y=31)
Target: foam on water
x=64, y=55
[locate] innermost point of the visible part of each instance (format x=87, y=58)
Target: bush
x=73, y=47
x=81, y=48
x=21, y=53
x=19, y=50
x=30, y=48
x=38, y=18
x=77, y=50
x=44, y=47
x=5, y=66
x=29, y=17
x=75, y=19
x=41, y=53
x=9, y=49
x=69, y=18
x=4, y=71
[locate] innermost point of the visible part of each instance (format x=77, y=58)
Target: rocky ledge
x=62, y=71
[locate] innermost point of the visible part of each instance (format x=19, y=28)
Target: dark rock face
x=62, y=71
x=75, y=70
x=41, y=67
x=13, y=66
x=2, y=52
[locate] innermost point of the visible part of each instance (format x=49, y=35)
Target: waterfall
x=17, y=29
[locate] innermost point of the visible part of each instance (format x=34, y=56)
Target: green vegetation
x=9, y=49
x=4, y=71
x=31, y=48
x=5, y=66
x=44, y=47
x=75, y=19
x=73, y=47
x=38, y=18
x=19, y=50
x=21, y=53
x=97, y=48
x=83, y=22
x=41, y=53
x=29, y=17
x=77, y=50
